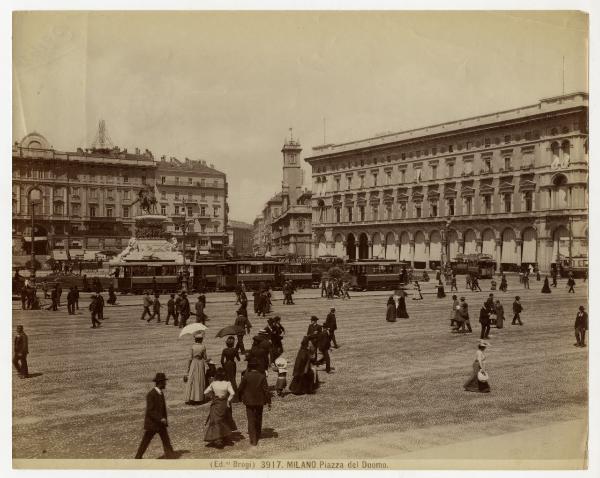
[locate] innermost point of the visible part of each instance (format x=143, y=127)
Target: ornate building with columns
x=512, y=184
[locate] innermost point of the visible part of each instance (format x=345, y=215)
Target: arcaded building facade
x=512, y=184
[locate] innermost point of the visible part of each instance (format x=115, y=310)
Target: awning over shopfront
x=59, y=255
x=37, y=238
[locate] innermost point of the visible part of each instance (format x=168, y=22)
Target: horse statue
x=147, y=200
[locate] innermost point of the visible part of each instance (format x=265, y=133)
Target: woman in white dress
x=474, y=384
x=220, y=420
x=196, y=377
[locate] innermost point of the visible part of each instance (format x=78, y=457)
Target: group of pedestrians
x=178, y=308
x=335, y=287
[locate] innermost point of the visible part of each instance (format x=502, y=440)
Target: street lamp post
x=447, y=244
x=33, y=200
x=183, y=223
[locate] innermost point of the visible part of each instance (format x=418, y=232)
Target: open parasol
x=230, y=330
x=192, y=329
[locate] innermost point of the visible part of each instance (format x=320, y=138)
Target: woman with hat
x=401, y=312
x=220, y=420
x=228, y=358
x=390, y=314
x=478, y=381
x=303, y=380
x=196, y=377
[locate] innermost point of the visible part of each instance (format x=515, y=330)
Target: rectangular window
x=203, y=211
x=488, y=165
x=189, y=211
x=507, y=203
x=375, y=179
x=338, y=214
x=433, y=209
x=403, y=211
x=402, y=175
x=469, y=145
x=176, y=195
x=93, y=193
x=216, y=196
x=75, y=209
x=507, y=138
x=418, y=175
x=451, y=207
x=362, y=181
x=388, y=213
x=203, y=228
x=163, y=195
x=176, y=210
x=348, y=182
x=126, y=211
x=451, y=148
x=177, y=180
x=92, y=211
x=58, y=208
x=163, y=179
x=450, y=170
x=487, y=142
x=190, y=181
x=126, y=194
x=109, y=212
x=388, y=178
x=418, y=210
x=216, y=228
x=403, y=156
x=202, y=182
x=350, y=214
x=361, y=213
x=487, y=204
x=125, y=179
x=75, y=191
x=203, y=196
x=163, y=210
x=216, y=211
x=468, y=205
x=507, y=163
x=433, y=171
x=468, y=167
x=190, y=197
x=528, y=201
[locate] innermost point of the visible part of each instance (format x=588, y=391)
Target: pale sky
x=226, y=87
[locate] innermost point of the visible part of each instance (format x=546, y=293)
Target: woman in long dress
x=303, y=380
x=390, y=314
x=440, y=290
x=474, y=384
x=499, y=314
x=546, y=287
x=196, y=377
x=401, y=312
x=228, y=357
x=220, y=421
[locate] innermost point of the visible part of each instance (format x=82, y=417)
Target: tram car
x=228, y=275
x=376, y=274
x=301, y=274
x=134, y=278
x=483, y=265
x=577, y=265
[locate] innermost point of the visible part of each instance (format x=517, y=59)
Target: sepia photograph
x=300, y=240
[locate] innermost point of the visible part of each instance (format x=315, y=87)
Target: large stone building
x=198, y=192
x=88, y=198
x=283, y=227
x=240, y=238
x=291, y=231
x=512, y=184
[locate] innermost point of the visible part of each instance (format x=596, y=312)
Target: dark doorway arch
x=363, y=246
x=351, y=247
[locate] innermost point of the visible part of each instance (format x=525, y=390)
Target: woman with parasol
x=195, y=377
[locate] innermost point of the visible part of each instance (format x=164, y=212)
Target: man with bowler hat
x=254, y=393
x=331, y=324
x=155, y=420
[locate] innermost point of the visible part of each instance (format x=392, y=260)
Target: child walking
x=281, y=383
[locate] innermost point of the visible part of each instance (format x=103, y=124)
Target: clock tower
x=292, y=171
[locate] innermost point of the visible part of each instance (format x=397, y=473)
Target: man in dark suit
x=313, y=331
x=581, y=325
x=331, y=324
x=324, y=344
x=21, y=350
x=484, y=320
x=155, y=420
x=254, y=393
x=184, y=309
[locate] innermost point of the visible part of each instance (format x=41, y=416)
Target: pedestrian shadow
x=175, y=455
x=33, y=375
x=269, y=433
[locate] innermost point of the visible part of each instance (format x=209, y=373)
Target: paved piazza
x=396, y=391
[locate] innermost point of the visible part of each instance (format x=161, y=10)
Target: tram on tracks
x=376, y=274
x=137, y=277
x=230, y=274
x=482, y=265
